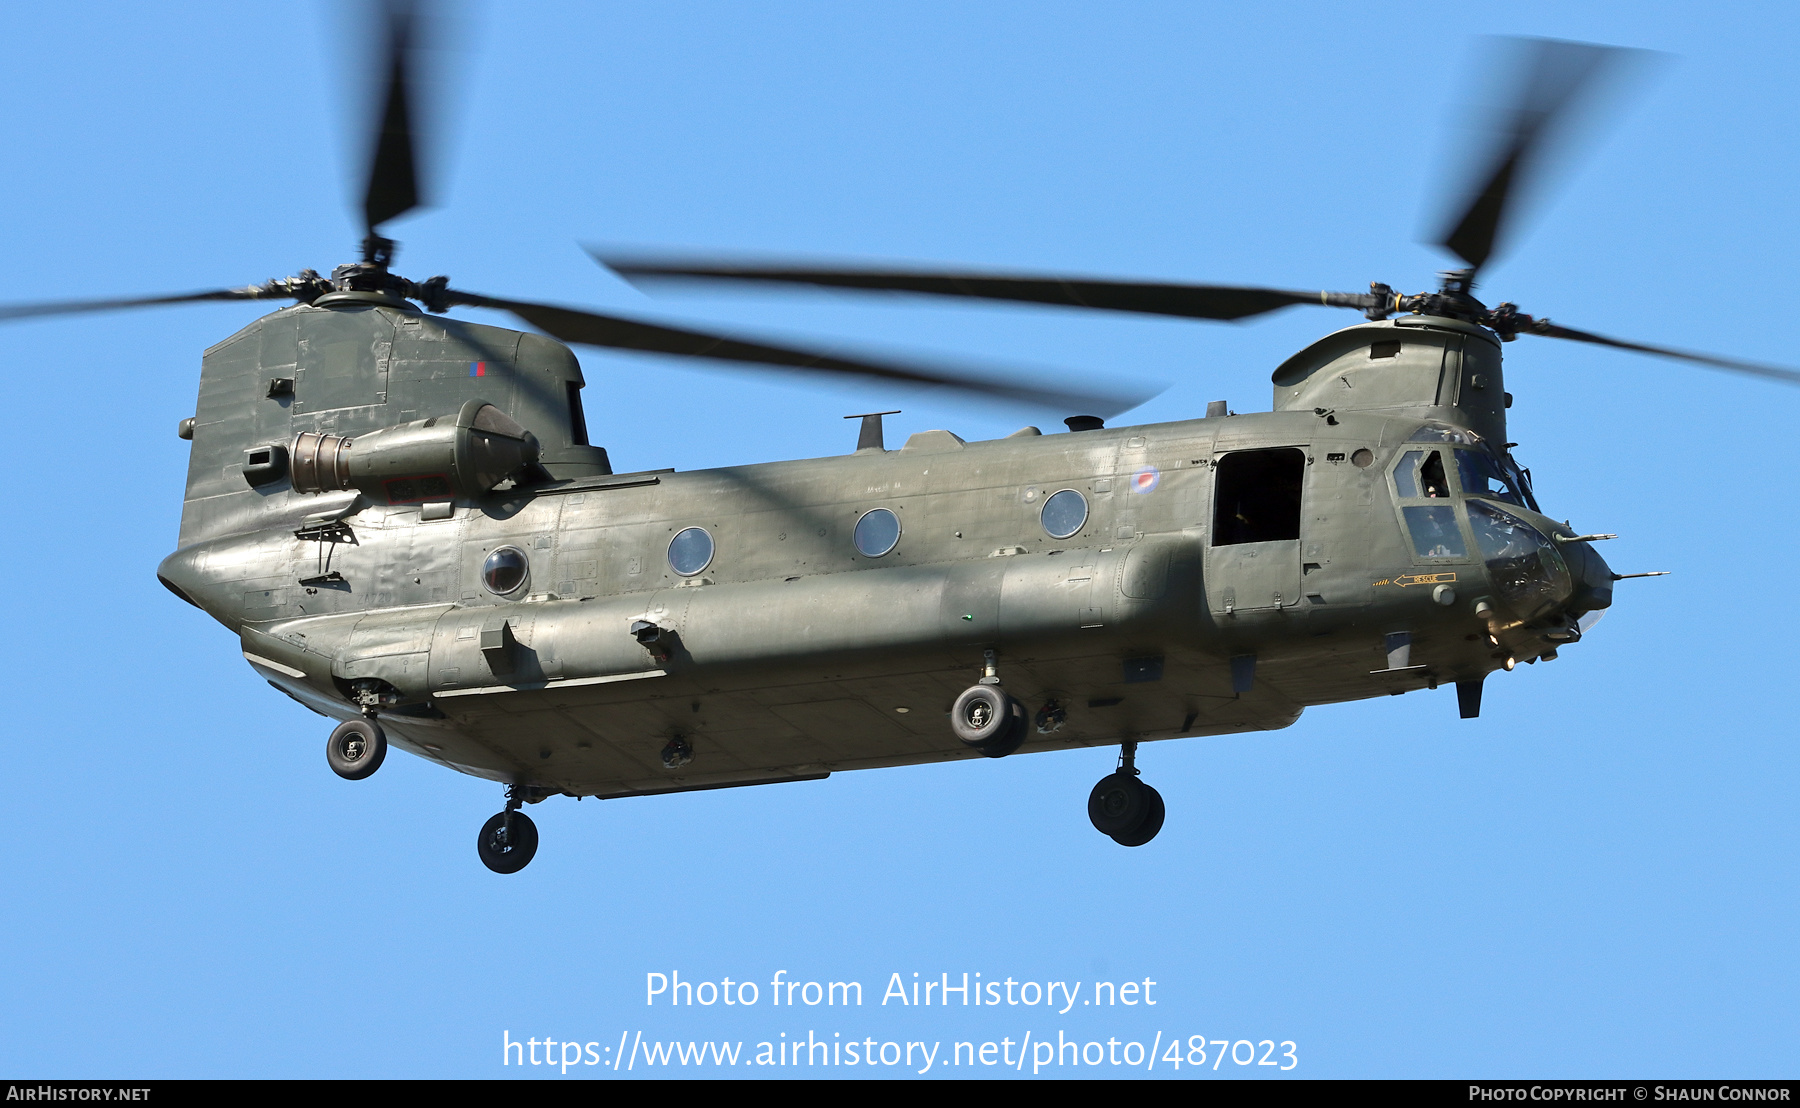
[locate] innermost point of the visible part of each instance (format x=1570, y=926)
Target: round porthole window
x=690, y=551
x=877, y=532
x=505, y=570
x=1064, y=513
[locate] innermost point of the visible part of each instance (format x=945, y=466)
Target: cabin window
x=877, y=532
x=690, y=551
x=1256, y=496
x=505, y=570
x=1064, y=514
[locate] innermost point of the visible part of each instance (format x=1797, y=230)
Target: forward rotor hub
x=432, y=293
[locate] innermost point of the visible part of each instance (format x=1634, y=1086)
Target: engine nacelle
x=440, y=458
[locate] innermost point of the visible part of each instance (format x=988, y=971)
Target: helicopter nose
x=1592, y=578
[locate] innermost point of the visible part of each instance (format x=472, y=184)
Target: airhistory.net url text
x=1162, y=1053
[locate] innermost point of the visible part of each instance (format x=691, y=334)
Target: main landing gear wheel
x=1122, y=807
x=1152, y=822
x=1118, y=804
x=989, y=721
x=355, y=749
x=507, y=842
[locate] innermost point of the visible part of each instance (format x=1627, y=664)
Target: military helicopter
x=401, y=516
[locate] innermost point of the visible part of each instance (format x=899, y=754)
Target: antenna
x=869, y=438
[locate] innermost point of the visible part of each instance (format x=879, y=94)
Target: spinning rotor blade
x=1755, y=369
x=76, y=307
x=1553, y=77
x=393, y=185
x=617, y=333
x=1227, y=302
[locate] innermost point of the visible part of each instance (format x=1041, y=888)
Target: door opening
x=1256, y=496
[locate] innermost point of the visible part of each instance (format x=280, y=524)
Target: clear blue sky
x=1595, y=878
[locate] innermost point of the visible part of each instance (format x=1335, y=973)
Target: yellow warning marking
x=1408, y=579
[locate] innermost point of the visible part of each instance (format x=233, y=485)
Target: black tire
x=1118, y=804
x=356, y=749
x=982, y=715
x=1010, y=739
x=503, y=856
x=1153, y=821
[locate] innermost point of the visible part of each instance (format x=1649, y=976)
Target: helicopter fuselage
x=566, y=631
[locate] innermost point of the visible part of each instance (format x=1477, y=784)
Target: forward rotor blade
x=393, y=185
x=1225, y=302
x=1754, y=369
x=618, y=333
x=76, y=307
x=1553, y=78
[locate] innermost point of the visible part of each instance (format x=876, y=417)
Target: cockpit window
x=1431, y=476
x=1421, y=473
x=1443, y=432
x=1526, y=568
x=1521, y=480
x=1434, y=532
x=1481, y=476
x=1405, y=483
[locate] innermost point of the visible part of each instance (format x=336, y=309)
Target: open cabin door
x=1253, y=558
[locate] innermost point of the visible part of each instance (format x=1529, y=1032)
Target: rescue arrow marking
x=1409, y=579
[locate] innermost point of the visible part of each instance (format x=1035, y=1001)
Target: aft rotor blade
x=618, y=333
x=1735, y=365
x=1552, y=78
x=1224, y=302
x=76, y=307
x=393, y=185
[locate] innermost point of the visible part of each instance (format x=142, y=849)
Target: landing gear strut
x=1122, y=807
x=509, y=840
x=355, y=749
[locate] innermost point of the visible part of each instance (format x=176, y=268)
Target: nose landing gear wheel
x=505, y=850
x=355, y=749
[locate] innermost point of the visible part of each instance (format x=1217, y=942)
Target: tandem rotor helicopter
x=400, y=515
